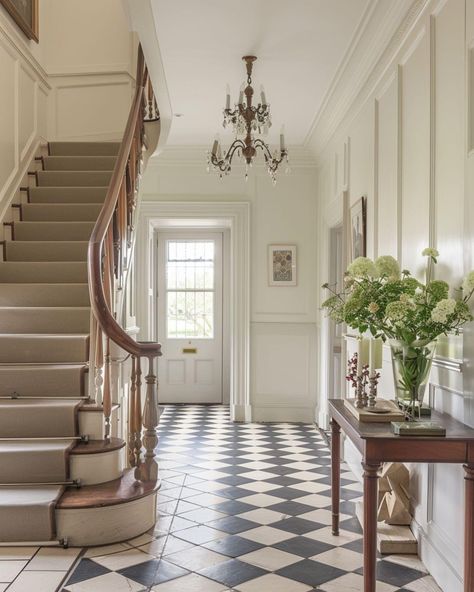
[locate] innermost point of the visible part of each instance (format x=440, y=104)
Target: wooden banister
x=109, y=257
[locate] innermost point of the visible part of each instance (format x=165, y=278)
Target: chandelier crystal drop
x=247, y=120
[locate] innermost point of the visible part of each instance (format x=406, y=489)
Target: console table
x=377, y=444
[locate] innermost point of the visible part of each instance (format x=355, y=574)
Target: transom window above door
x=190, y=287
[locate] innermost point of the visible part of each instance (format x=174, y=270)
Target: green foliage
x=389, y=304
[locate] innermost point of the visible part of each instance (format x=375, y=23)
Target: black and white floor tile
x=245, y=508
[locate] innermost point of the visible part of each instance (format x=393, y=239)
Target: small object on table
x=417, y=428
x=385, y=411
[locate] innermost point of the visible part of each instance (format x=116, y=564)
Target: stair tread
x=98, y=446
x=119, y=491
x=29, y=495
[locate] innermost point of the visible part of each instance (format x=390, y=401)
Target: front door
x=190, y=316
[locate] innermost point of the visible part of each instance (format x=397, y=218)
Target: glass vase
x=411, y=365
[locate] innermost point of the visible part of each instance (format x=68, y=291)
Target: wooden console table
x=377, y=444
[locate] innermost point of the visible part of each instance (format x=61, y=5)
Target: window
x=190, y=289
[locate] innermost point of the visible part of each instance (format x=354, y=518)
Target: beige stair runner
x=44, y=326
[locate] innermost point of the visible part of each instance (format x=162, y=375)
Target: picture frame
x=358, y=228
x=282, y=265
x=25, y=13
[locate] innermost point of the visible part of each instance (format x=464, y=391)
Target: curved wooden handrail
x=97, y=243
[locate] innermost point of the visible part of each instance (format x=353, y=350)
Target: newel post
x=148, y=469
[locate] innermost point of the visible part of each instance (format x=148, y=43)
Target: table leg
x=335, y=474
x=469, y=529
x=370, y=525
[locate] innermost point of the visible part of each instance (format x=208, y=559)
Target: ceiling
x=299, y=45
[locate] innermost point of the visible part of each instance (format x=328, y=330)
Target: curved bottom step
x=107, y=513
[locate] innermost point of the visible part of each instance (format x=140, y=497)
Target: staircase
x=61, y=480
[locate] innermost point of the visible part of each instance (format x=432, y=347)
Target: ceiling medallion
x=247, y=120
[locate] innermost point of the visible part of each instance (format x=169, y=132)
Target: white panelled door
x=190, y=316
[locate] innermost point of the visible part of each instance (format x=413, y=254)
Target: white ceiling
x=299, y=45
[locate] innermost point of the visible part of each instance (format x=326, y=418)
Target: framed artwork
x=282, y=265
x=358, y=228
x=25, y=14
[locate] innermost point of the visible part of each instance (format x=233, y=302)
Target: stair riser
x=83, y=148
x=67, y=195
x=106, y=525
x=46, y=251
x=38, y=382
x=60, y=212
x=91, y=423
x=92, y=469
x=52, y=231
x=31, y=349
x=29, y=466
x=43, y=272
x=44, y=320
x=42, y=419
x=44, y=295
x=79, y=163
x=73, y=178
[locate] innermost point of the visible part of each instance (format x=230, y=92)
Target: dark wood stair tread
x=97, y=446
x=119, y=491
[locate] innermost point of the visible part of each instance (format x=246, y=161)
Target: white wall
x=75, y=84
x=402, y=141
x=283, y=320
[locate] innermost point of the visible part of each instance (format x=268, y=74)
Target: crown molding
x=377, y=42
x=196, y=156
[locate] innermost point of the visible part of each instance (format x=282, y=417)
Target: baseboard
x=283, y=414
x=323, y=420
x=241, y=413
x=443, y=572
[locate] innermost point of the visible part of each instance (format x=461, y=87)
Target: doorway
x=190, y=315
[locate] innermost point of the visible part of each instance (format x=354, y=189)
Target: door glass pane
x=190, y=289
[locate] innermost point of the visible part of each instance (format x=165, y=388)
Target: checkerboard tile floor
x=243, y=507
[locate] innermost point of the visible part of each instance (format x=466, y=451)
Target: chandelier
x=247, y=120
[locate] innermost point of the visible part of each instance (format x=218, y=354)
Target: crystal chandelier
x=247, y=120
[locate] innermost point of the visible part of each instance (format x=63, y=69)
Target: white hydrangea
x=387, y=266
x=443, y=309
x=362, y=267
x=429, y=252
x=468, y=283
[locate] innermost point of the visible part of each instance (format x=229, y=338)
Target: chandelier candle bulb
x=262, y=95
x=282, y=139
x=375, y=355
x=227, y=97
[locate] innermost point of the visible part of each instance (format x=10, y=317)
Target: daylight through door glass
x=190, y=289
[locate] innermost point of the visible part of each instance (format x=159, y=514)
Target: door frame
x=209, y=215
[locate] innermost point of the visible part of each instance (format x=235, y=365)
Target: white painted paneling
x=415, y=132
x=282, y=371
x=91, y=109
x=8, y=94
x=286, y=213
x=387, y=168
x=449, y=100
x=418, y=153
x=27, y=105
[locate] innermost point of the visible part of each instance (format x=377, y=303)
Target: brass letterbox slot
x=190, y=350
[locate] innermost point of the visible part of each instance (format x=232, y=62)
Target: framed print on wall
x=358, y=228
x=282, y=265
x=25, y=15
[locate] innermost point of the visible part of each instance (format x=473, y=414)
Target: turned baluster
x=148, y=470
x=98, y=363
x=107, y=396
x=137, y=425
x=131, y=413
